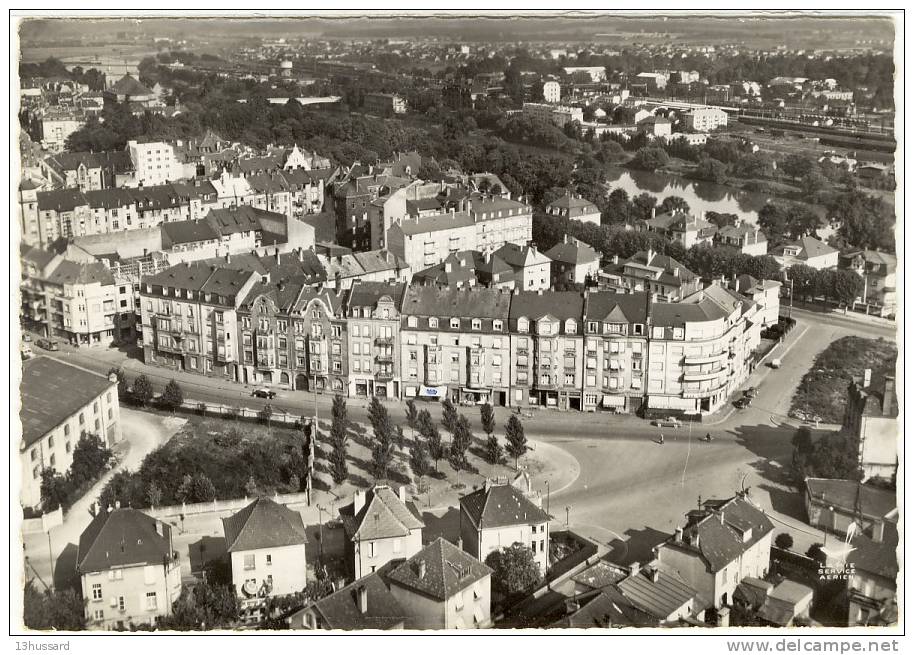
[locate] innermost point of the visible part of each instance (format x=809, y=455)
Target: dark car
x=751, y=392
x=743, y=402
x=263, y=392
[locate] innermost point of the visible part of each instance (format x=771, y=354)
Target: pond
x=701, y=196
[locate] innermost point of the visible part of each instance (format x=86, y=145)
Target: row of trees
x=843, y=285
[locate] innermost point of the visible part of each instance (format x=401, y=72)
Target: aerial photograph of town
x=457, y=322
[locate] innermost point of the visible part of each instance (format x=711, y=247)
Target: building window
x=269, y=560
x=121, y=605
x=249, y=563
x=96, y=591
x=455, y=323
x=151, y=600
x=476, y=324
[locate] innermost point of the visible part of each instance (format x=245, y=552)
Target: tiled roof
x=122, y=537
x=448, y=570
x=263, y=524
x=189, y=231
x=61, y=200
x=367, y=294
x=572, y=251
x=51, y=391
x=608, y=608
x=383, y=516
x=40, y=258
x=117, y=160
x=284, y=294
x=609, y=307
x=464, y=302
x=571, y=202
x=880, y=558
x=661, y=597
x=520, y=256
x=240, y=219
x=501, y=505
x=70, y=272
x=436, y=223
x=600, y=575
x=852, y=496
x=341, y=611
x=130, y=86
x=720, y=529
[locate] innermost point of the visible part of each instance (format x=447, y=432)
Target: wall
x=422, y=612
x=385, y=550
x=690, y=568
x=288, y=568
x=496, y=538
x=879, y=446
x=136, y=582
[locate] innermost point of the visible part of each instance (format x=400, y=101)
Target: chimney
x=363, y=599
x=421, y=569
x=653, y=212
x=675, y=271
x=633, y=569
x=276, y=252
x=649, y=256
x=655, y=574
x=358, y=501
x=460, y=543
x=723, y=617
x=401, y=494
x=301, y=254
x=112, y=377
x=887, y=394
x=678, y=535
x=878, y=527
x=867, y=376
x=160, y=529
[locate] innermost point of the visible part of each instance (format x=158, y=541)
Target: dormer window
x=593, y=326
x=455, y=323
x=545, y=327
x=523, y=325
x=571, y=326
x=497, y=325
x=412, y=321
x=433, y=322
x=476, y=324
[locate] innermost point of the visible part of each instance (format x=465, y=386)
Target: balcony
x=703, y=393
x=384, y=341
x=384, y=357
x=698, y=376
x=384, y=375
x=704, y=359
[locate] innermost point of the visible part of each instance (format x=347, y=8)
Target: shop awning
x=613, y=401
x=468, y=390
x=433, y=392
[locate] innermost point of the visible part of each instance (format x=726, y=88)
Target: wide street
x=632, y=491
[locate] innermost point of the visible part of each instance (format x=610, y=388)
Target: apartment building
x=705, y=119
x=878, y=270
x=373, y=332
x=574, y=207
x=351, y=200
x=60, y=402
x=455, y=344
x=190, y=316
x=615, y=350
x=558, y=115
x=57, y=126
x=680, y=226
x=88, y=171
x=552, y=91
x=573, y=262
x=293, y=334
x=651, y=272
x=748, y=239
x=871, y=417
x=78, y=301
x=547, y=349
x=154, y=163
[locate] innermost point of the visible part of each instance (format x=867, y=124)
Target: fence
x=278, y=416
x=216, y=506
x=43, y=524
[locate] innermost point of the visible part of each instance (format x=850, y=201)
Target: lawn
x=823, y=390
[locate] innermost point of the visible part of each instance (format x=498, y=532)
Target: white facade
x=281, y=570
x=552, y=91
x=130, y=595
x=154, y=163
x=706, y=119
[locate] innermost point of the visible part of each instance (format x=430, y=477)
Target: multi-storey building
x=373, y=332
x=88, y=171
x=294, y=334
x=573, y=262
x=455, y=341
x=79, y=301
x=57, y=126
x=679, y=226
x=547, y=348
x=154, y=163
x=878, y=270
x=552, y=91
x=653, y=273
x=129, y=569
x=351, y=200
x=871, y=417
x=748, y=239
x=701, y=350
x=615, y=350
x=189, y=318
x=574, y=208
x=706, y=119
x=60, y=402
x=558, y=115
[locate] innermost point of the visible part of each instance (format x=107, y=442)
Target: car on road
x=751, y=392
x=668, y=422
x=48, y=344
x=27, y=337
x=263, y=392
x=26, y=351
x=743, y=402
x=775, y=363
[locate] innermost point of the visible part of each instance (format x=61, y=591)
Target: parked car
x=775, y=363
x=263, y=392
x=26, y=351
x=743, y=402
x=751, y=392
x=48, y=344
x=27, y=337
x=669, y=422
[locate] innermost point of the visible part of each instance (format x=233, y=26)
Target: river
x=701, y=196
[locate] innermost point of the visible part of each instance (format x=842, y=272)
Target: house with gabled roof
x=653, y=273
x=723, y=542
x=498, y=515
x=443, y=588
x=574, y=207
x=573, y=261
x=679, y=226
x=806, y=250
x=380, y=526
x=128, y=569
x=662, y=594
x=366, y=604
x=266, y=544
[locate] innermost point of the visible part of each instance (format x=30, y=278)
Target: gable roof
x=453, y=302
x=501, y=505
x=122, y=537
x=569, y=201
x=607, y=608
x=560, y=304
x=572, y=251
x=190, y=231
x=448, y=570
x=263, y=524
x=130, y=86
x=660, y=597
x=851, y=496
x=609, y=307
x=382, y=516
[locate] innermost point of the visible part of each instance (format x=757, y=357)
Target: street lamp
x=567, y=511
x=548, y=494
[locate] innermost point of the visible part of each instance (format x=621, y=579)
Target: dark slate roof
x=240, y=219
x=608, y=608
x=609, y=307
x=669, y=314
x=658, y=598
x=448, y=570
x=572, y=251
x=753, y=591
x=435, y=223
x=559, y=304
x=452, y=302
x=189, y=231
x=186, y=276
x=122, y=537
x=340, y=610
x=880, y=558
x=284, y=293
x=367, y=294
x=570, y=202
x=40, y=258
x=61, y=200
x=109, y=198
x=51, y=391
x=600, y=575
x=383, y=516
x=130, y=86
x=851, y=496
x=263, y=524
x=226, y=282
x=719, y=528
x=116, y=160
x=501, y=505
